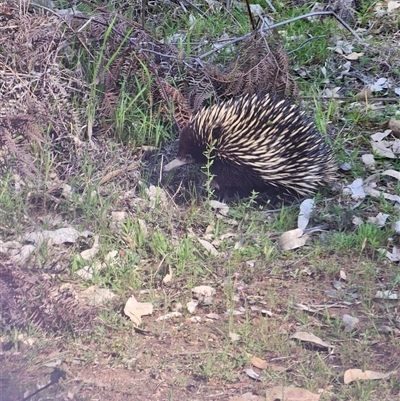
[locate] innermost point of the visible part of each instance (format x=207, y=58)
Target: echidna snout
x=257, y=143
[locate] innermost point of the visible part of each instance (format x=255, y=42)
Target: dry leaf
x=386, y=295
x=310, y=338
x=223, y=208
x=86, y=272
x=356, y=189
x=89, y=254
x=379, y=85
x=394, y=125
x=369, y=188
x=392, y=5
x=277, y=368
x=293, y=239
x=97, y=296
x=382, y=149
x=234, y=336
x=168, y=316
x=135, y=310
x=392, y=173
x=380, y=135
x=392, y=256
x=379, y=219
x=350, y=322
x=246, y=397
x=306, y=208
x=368, y=160
x=352, y=375
x=157, y=197
x=353, y=56
x=168, y=277
x=253, y=375
x=56, y=237
x=290, y=394
x=202, y=291
x=365, y=94
x=259, y=363
x=210, y=248
x=191, y=306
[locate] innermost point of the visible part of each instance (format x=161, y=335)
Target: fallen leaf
x=350, y=322
x=56, y=237
x=369, y=160
x=223, y=208
x=353, y=56
x=357, y=221
x=370, y=190
x=356, y=189
x=392, y=5
x=157, y=196
x=135, y=310
x=191, y=306
x=306, y=208
x=259, y=363
x=253, y=375
x=212, y=316
x=168, y=316
x=386, y=295
x=168, y=277
x=364, y=94
x=392, y=173
x=97, y=296
x=209, y=247
x=246, y=397
x=394, y=125
x=89, y=254
x=380, y=135
x=234, y=337
x=310, y=338
x=382, y=148
x=352, y=375
x=290, y=394
x=327, y=92
x=203, y=291
x=277, y=368
x=379, y=85
x=86, y=272
x=379, y=219
x=293, y=239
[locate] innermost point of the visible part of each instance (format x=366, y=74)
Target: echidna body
x=258, y=143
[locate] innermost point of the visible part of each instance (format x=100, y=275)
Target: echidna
x=257, y=143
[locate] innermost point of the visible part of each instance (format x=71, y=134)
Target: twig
x=224, y=45
x=278, y=24
x=355, y=99
x=188, y=3
x=115, y=173
x=253, y=25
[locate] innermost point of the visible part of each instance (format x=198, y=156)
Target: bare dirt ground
x=186, y=360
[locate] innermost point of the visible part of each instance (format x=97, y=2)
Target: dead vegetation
x=47, y=88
